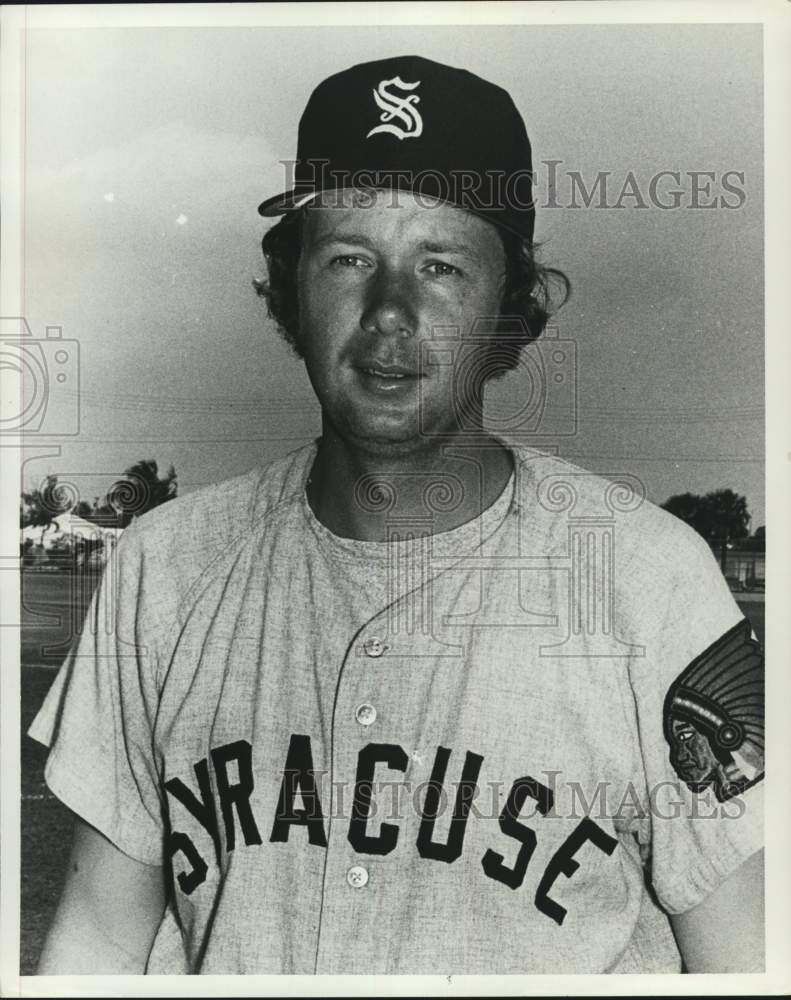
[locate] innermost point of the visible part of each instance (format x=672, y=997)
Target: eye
x=348, y=260
x=441, y=269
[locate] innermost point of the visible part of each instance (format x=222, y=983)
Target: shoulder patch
x=714, y=716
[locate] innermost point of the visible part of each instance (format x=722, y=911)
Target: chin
x=376, y=441
x=365, y=426
x=375, y=433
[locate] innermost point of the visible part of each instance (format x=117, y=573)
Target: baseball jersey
x=513, y=747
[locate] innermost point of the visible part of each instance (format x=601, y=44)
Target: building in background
x=747, y=566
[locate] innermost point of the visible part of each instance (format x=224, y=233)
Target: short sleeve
x=97, y=718
x=699, y=696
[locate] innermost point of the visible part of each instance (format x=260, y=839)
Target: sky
x=147, y=152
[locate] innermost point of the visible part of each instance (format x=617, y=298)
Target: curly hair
x=527, y=292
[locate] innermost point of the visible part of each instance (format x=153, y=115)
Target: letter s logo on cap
x=394, y=106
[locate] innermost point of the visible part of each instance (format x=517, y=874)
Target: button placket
x=355, y=711
x=357, y=877
x=374, y=646
x=365, y=714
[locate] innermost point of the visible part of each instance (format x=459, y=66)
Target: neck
x=363, y=494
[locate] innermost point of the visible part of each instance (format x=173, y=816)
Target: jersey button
x=365, y=714
x=374, y=646
x=357, y=876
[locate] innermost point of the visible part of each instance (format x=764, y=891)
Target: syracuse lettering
x=299, y=779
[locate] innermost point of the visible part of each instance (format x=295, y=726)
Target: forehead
x=400, y=217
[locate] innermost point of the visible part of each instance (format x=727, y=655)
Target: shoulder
x=179, y=539
x=649, y=542
x=655, y=577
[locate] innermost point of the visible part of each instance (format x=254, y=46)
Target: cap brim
x=289, y=201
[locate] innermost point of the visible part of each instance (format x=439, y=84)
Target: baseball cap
x=416, y=125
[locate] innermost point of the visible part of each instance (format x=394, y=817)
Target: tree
x=62, y=552
x=25, y=551
x=691, y=508
x=82, y=509
x=140, y=489
x=101, y=513
x=721, y=517
x=757, y=541
x=728, y=519
x=40, y=507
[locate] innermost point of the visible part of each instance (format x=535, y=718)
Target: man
x=410, y=699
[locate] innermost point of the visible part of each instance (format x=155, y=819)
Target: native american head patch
x=714, y=716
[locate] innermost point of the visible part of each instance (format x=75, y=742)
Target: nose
x=390, y=306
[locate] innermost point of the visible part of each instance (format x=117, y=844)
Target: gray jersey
x=510, y=748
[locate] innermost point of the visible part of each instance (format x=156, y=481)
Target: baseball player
x=410, y=699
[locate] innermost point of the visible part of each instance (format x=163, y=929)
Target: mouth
x=388, y=378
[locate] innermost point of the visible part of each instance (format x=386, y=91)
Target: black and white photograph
x=391, y=430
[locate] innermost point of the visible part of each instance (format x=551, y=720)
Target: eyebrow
x=426, y=246
x=355, y=239
x=460, y=248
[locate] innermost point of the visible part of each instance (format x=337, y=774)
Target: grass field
x=53, y=609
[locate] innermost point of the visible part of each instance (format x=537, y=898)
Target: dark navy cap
x=415, y=125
